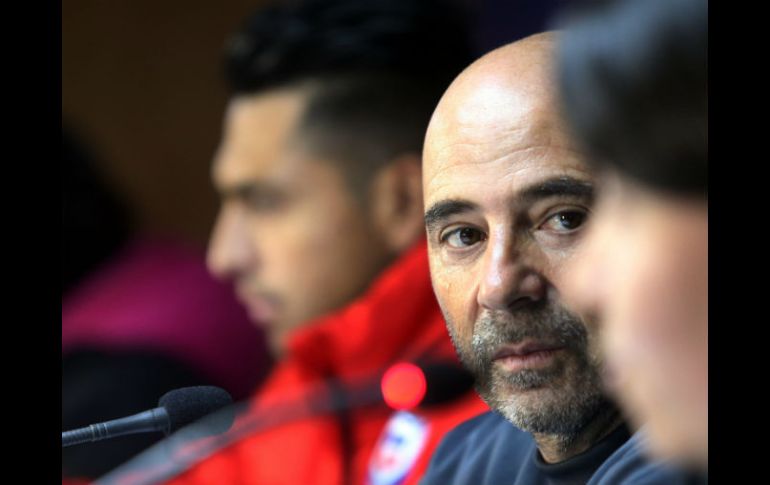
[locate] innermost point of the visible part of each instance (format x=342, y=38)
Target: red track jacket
x=397, y=319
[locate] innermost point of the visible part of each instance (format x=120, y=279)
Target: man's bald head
x=506, y=94
x=505, y=201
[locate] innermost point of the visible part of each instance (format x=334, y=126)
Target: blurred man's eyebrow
x=444, y=209
x=555, y=187
x=247, y=190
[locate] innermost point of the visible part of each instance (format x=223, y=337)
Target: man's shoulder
x=630, y=465
x=478, y=450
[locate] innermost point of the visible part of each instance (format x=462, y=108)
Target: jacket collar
x=397, y=318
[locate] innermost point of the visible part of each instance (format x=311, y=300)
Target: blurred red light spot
x=403, y=386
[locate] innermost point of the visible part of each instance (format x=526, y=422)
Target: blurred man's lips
x=525, y=355
x=261, y=310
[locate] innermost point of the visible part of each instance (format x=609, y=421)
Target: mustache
x=550, y=324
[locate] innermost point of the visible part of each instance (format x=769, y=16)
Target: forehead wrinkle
x=440, y=180
x=509, y=166
x=499, y=141
x=448, y=148
x=511, y=192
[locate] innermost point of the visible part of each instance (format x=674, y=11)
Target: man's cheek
x=448, y=287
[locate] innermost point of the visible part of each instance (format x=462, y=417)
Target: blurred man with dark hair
x=507, y=196
x=320, y=229
x=319, y=165
x=634, y=84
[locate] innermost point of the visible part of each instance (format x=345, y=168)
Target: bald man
x=506, y=200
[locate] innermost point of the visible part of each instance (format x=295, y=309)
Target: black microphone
x=177, y=409
x=444, y=382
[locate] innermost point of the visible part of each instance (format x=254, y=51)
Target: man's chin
x=510, y=394
x=547, y=408
x=279, y=335
x=278, y=344
x=524, y=391
x=535, y=411
x=524, y=380
x=261, y=313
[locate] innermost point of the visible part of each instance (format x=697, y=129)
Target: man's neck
x=558, y=448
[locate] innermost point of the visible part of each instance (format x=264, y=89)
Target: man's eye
x=264, y=202
x=566, y=221
x=463, y=237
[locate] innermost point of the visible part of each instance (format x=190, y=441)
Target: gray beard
x=559, y=400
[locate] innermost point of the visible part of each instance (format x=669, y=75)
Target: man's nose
x=229, y=251
x=508, y=281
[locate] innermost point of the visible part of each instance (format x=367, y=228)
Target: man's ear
x=396, y=202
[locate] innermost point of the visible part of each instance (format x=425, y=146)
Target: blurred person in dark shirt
x=634, y=84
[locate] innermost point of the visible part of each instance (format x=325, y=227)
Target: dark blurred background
x=143, y=97
x=142, y=85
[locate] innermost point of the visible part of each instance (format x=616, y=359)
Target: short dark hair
x=374, y=70
x=633, y=77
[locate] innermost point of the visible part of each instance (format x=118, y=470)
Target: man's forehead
x=504, y=180
x=468, y=156
x=259, y=132
x=486, y=109
x=480, y=142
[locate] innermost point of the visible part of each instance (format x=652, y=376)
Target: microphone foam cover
x=190, y=404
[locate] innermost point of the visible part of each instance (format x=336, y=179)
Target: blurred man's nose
x=583, y=281
x=507, y=280
x=229, y=252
